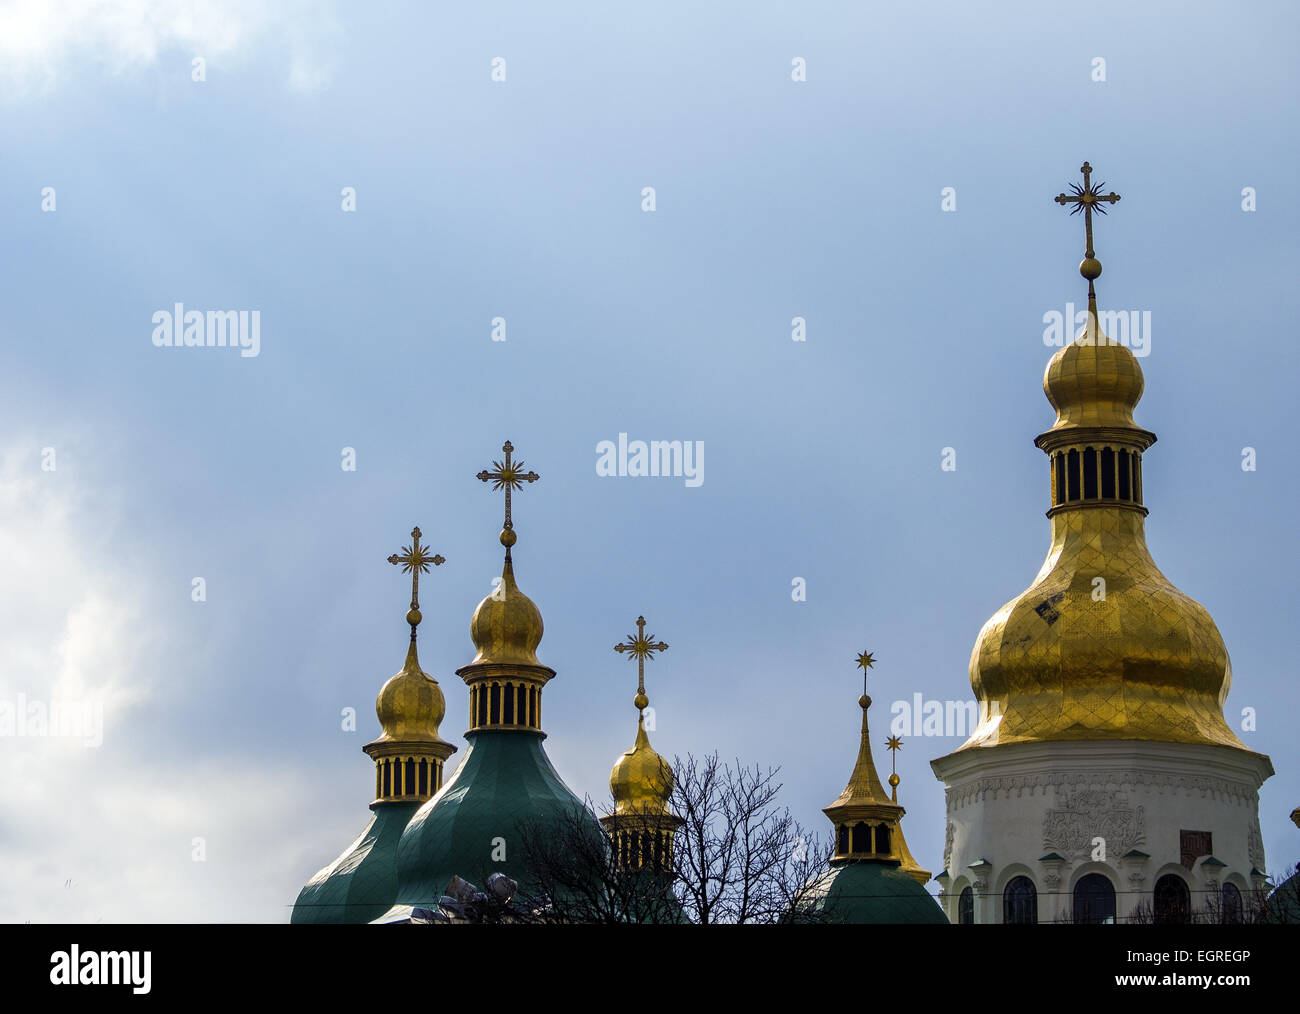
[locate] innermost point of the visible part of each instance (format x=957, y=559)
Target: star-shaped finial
x=866, y=660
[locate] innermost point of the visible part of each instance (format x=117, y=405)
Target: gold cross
x=507, y=475
x=641, y=648
x=1087, y=199
x=414, y=559
x=865, y=661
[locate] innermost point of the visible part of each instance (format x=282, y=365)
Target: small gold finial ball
x=508, y=537
x=1090, y=268
x=894, y=780
x=864, y=701
x=640, y=700
x=413, y=617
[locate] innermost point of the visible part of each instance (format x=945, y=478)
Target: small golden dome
x=1093, y=381
x=507, y=626
x=641, y=782
x=411, y=705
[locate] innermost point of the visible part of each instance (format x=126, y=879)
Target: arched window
x=1124, y=476
x=1107, y=474
x=882, y=838
x=1094, y=899
x=1020, y=902
x=1089, y=474
x=861, y=837
x=422, y=788
x=1232, y=912
x=842, y=839
x=482, y=705
x=508, y=715
x=521, y=708
x=1173, y=902
x=388, y=778
x=966, y=907
x=495, y=716
x=1072, y=477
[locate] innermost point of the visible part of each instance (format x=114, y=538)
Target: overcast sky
x=224, y=779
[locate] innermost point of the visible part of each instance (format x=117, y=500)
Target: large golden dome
x=1144, y=662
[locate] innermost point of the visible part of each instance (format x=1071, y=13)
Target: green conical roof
x=359, y=885
x=504, y=782
x=872, y=892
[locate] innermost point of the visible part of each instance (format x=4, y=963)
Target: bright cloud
x=43, y=42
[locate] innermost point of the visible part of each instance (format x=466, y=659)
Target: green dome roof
x=505, y=780
x=872, y=892
x=361, y=884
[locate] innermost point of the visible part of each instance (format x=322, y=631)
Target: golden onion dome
x=507, y=627
x=1059, y=662
x=641, y=781
x=1093, y=381
x=411, y=705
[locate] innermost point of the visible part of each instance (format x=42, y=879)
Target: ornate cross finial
x=1088, y=199
x=641, y=648
x=415, y=559
x=865, y=661
x=507, y=475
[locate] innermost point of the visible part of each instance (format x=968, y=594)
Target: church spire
x=505, y=677
x=641, y=828
x=409, y=752
x=867, y=820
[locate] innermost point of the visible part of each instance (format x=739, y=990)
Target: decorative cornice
x=998, y=786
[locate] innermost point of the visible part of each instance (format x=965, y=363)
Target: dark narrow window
x=1137, y=478
x=1231, y=904
x=966, y=907
x=1094, y=899
x=408, y=778
x=1058, y=489
x=508, y=716
x=1173, y=903
x=532, y=707
x=388, y=778
x=495, y=717
x=422, y=786
x=882, y=838
x=1089, y=474
x=521, y=705
x=1072, y=467
x=1124, y=485
x=482, y=705
x=842, y=839
x=1107, y=474
x=1020, y=902
x=861, y=837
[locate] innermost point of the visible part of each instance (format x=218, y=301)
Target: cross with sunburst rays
x=1087, y=198
x=507, y=475
x=641, y=648
x=416, y=559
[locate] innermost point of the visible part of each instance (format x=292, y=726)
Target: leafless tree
x=738, y=857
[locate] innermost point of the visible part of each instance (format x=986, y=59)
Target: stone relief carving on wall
x=1088, y=814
